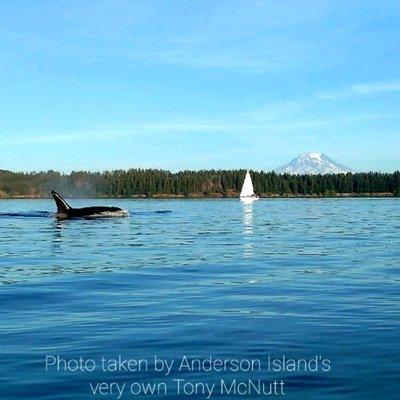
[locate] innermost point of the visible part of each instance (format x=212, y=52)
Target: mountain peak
x=315, y=156
x=312, y=163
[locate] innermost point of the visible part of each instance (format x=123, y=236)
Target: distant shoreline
x=195, y=196
x=151, y=183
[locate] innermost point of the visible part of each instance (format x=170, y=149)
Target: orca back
x=64, y=210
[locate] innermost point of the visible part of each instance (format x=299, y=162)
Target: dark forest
x=205, y=183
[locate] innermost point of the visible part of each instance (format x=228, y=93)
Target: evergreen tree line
x=222, y=183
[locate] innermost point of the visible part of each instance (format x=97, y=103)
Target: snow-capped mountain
x=312, y=163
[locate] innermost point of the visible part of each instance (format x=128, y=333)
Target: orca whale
x=65, y=211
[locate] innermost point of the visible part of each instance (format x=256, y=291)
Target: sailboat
x=247, y=194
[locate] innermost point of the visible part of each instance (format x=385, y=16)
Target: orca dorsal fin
x=62, y=205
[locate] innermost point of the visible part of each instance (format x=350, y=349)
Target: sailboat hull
x=249, y=199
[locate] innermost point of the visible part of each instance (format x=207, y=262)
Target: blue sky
x=205, y=84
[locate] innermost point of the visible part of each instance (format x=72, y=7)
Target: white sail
x=247, y=188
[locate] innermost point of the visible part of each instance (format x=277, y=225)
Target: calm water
x=202, y=278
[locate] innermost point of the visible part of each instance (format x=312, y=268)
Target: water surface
x=294, y=277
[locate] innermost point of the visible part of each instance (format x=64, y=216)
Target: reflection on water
x=58, y=231
x=248, y=228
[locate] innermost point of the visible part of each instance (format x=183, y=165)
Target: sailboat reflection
x=248, y=229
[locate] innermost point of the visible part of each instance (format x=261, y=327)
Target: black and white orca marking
x=65, y=211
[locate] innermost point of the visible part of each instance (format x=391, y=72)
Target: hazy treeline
x=227, y=183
